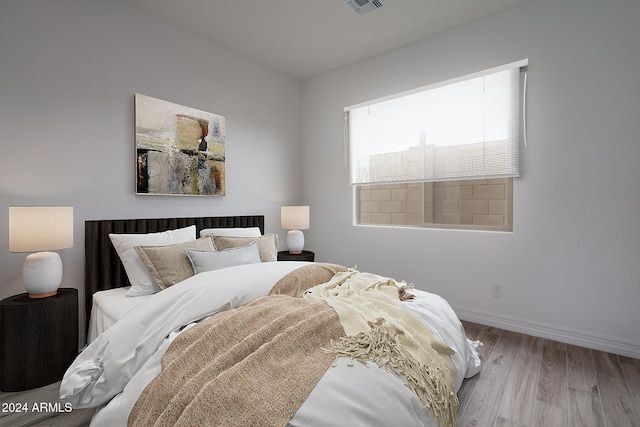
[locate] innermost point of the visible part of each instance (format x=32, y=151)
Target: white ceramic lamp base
x=42, y=274
x=295, y=241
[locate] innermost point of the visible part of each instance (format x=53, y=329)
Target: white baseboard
x=558, y=333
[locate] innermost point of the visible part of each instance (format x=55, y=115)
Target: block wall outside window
x=482, y=204
x=390, y=204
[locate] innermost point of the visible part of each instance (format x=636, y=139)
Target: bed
x=106, y=281
x=243, y=340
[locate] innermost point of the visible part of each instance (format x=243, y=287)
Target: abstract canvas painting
x=179, y=150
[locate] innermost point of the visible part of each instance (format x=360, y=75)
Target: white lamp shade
x=294, y=217
x=39, y=228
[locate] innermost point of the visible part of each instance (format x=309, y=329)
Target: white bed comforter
x=116, y=367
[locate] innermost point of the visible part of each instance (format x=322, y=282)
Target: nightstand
x=304, y=256
x=38, y=339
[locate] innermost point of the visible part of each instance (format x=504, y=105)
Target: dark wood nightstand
x=38, y=339
x=304, y=256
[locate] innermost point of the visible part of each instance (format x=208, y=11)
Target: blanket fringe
x=382, y=347
x=403, y=295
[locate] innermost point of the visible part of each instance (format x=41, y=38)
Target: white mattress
x=108, y=307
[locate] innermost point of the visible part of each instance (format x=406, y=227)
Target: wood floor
x=528, y=381
x=525, y=381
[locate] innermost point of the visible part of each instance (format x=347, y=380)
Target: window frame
x=498, y=204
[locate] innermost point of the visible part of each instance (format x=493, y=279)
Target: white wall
x=571, y=268
x=68, y=73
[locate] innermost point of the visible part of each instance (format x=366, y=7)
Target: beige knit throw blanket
x=378, y=329
x=257, y=364
x=253, y=366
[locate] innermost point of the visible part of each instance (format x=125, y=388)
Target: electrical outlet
x=496, y=291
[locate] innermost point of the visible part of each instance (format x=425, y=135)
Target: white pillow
x=231, y=232
x=207, y=261
x=139, y=277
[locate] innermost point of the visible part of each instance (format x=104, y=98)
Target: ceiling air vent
x=362, y=7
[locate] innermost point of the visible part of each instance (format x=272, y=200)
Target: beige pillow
x=141, y=281
x=170, y=264
x=267, y=245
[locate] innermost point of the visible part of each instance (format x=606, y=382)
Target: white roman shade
x=464, y=128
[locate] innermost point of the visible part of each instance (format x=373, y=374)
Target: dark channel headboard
x=103, y=269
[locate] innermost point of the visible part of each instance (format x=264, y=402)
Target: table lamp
x=294, y=219
x=35, y=229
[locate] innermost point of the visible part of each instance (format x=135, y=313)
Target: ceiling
x=306, y=38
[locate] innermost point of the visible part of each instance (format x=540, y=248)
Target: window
x=474, y=204
x=441, y=156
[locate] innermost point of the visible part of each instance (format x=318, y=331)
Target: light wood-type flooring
x=525, y=381
x=528, y=381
